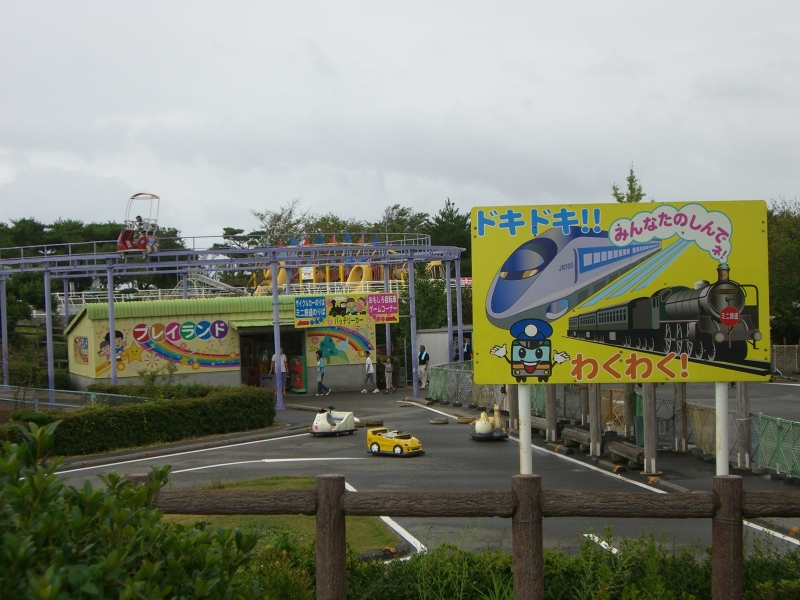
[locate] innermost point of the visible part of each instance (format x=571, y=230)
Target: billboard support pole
x=65, y=285
x=525, y=450
x=112, y=328
x=48, y=327
x=459, y=320
x=721, y=394
x=4, y=328
x=276, y=328
x=412, y=313
x=388, y=327
x=448, y=288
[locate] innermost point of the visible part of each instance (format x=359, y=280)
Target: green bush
x=63, y=543
x=101, y=428
x=155, y=391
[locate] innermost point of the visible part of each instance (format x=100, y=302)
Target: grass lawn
x=363, y=533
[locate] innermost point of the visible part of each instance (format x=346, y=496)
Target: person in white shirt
x=284, y=370
x=370, y=375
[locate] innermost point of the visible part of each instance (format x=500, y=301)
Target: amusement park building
x=220, y=340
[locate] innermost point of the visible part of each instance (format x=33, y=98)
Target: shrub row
x=154, y=391
x=62, y=543
x=101, y=428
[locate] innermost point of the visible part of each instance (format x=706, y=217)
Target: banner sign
x=346, y=310
x=620, y=293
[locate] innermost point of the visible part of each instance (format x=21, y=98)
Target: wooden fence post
x=526, y=538
x=726, y=539
x=331, y=548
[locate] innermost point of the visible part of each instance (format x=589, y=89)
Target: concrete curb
x=667, y=485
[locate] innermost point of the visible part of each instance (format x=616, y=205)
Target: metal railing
x=36, y=398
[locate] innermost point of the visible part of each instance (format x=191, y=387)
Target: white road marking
x=776, y=534
x=126, y=462
x=655, y=490
x=602, y=543
x=262, y=460
x=396, y=527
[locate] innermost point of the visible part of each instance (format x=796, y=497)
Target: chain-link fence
x=776, y=444
x=35, y=398
x=702, y=422
x=665, y=417
x=451, y=382
x=784, y=359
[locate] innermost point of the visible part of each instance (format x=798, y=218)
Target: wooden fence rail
x=526, y=504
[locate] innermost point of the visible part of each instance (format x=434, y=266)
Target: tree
x=450, y=227
x=783, y=230
x=401, y=219
x=286, y=220
x=634, y=193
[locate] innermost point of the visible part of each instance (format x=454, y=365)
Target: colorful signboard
x=619, y=293
x=192, y=346
x=351, y=310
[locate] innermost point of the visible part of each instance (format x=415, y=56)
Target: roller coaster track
x=90, y=259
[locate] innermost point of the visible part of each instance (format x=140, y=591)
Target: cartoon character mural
x=532, y=354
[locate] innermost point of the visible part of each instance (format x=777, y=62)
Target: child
x=388, y=369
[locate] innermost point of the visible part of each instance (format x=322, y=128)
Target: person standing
x=370, y=375
x=321, y=387
x=388, y=369
x=284, y=370
x=424, y=359
x=467, y=350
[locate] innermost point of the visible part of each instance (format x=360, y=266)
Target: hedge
x=154, y=391
x=97, y=429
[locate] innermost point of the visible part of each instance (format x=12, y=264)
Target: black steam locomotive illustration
x=680, y=320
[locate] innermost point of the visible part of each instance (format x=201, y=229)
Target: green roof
x=174, y=308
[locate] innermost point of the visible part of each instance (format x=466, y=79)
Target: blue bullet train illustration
x=554, y=272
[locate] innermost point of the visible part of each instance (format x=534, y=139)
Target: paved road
x=453, y=462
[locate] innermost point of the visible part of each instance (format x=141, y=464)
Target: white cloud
x=224, y=107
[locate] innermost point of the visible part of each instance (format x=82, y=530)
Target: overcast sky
x=223, y=107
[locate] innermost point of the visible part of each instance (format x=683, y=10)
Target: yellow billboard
x=616, y=293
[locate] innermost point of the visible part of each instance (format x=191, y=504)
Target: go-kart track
x=452, y=462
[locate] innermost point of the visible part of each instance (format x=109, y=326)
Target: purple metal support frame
x=276, y=328
x=458, y=313
x=412, y=296
x=4, y=329
x=112, y=328
x=448, y=289
x=65, y=283
x=388, y=328
x=71, y=261
x=48, y=328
